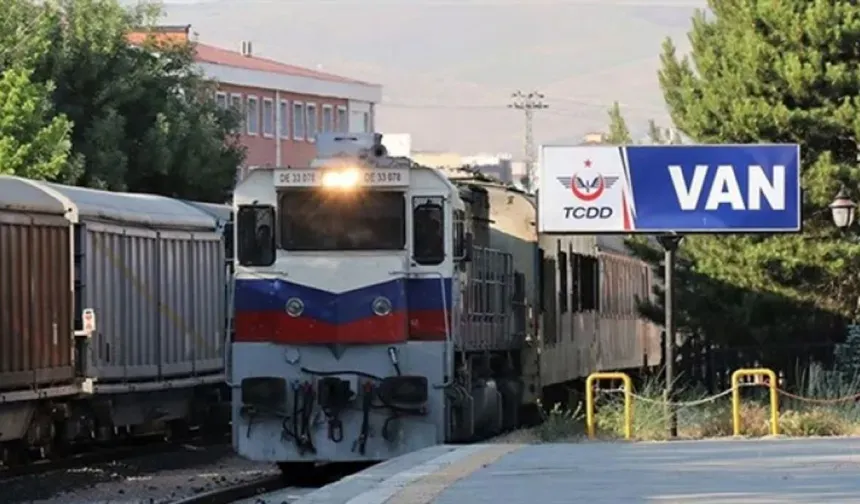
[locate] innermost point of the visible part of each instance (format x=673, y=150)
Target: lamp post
x=843, y=210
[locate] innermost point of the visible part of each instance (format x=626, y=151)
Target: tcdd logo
x=586, y=188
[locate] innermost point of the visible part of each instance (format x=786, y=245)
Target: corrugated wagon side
x=36, y=303
x=152, y=268
x=36, y=319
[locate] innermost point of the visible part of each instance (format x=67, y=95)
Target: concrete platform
x=802, y=471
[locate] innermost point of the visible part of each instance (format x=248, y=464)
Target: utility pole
x=528, y=103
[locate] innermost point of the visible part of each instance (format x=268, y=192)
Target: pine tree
x=773, y=72
x=618, y=134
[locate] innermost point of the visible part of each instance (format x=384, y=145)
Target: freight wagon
x=151, y=268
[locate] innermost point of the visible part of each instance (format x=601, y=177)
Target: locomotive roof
x=605, y=243
x=26, y=195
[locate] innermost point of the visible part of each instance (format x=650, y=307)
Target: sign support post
x=670, y=243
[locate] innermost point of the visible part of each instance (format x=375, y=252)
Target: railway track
x=258, y=489
x=246, y=490
x=147, y=445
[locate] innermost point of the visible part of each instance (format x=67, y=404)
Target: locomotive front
x=343, y=306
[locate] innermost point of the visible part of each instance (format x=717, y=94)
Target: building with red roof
x=284, y=105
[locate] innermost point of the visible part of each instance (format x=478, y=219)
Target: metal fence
x=710, y=366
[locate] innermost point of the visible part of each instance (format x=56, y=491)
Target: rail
x=136, y=448
x=245, y=490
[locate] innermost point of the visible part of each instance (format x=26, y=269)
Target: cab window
x=428, y=222
x=255, y=235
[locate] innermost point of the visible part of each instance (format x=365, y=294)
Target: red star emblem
x=588, y=163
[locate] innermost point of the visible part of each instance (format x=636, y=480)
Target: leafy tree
x=143, y=119
x=34, y=141
x=24, y=29
x=772, y=72
x=33, y=144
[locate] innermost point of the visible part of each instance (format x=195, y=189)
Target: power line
x=561, y=106
x=528, y=103
x=440, y=106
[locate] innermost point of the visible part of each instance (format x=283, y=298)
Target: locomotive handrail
x=228, y=340
x=446, y=351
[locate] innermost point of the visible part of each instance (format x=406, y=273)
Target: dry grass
x=713, y=419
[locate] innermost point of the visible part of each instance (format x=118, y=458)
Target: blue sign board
x=669, y=188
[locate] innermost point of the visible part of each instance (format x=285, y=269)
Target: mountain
x=448, y=67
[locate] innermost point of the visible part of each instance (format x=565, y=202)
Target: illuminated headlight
x=343, y=179
x=381, y=306
x=294, y=307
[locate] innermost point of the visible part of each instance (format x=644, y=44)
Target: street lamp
x=842, y=209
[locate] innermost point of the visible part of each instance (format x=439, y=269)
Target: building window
x=284, y=119
x=312, y=121
x=327, y=119
x=268, y=117
x=298, y=120
x=252, y=118
x=221, y=100
x=236, y=104
x=365, y=122
x=342, y=120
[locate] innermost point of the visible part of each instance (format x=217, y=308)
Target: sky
x=448, y=67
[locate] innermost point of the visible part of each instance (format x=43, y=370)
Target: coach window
x=428, y=224
x=575, y=281
x=589, y=269
x=562, y=280
x=255, y=235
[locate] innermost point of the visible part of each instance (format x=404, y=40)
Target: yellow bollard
x=736, y=398
x=628, y=401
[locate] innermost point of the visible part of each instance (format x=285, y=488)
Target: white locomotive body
x=381, y=307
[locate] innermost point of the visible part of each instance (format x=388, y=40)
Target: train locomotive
x=381, y=306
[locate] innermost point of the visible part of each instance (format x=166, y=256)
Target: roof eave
x=300, y=84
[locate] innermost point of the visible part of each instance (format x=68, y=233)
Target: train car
x=577, y=300
x=590, y=321
x=151, y=270
x=36, y=305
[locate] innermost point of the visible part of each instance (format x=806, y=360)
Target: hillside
x=448, y=67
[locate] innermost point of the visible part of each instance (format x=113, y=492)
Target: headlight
x=344, y=179
x=381, y=306
x=294, y=307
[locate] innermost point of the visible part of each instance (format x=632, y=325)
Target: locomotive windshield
x=314, y=220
